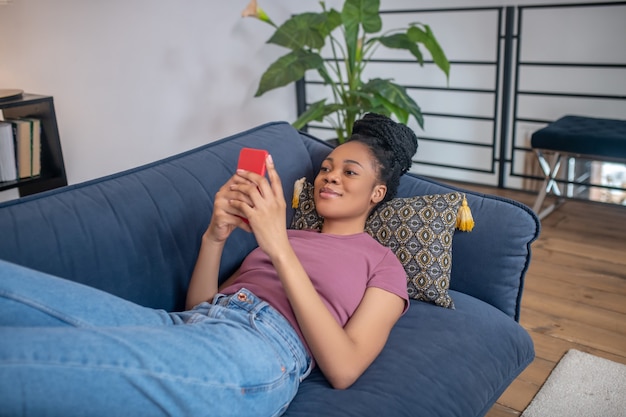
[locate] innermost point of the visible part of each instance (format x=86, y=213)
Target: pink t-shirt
x=340, y=267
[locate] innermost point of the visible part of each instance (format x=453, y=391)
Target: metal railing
x=492, y=79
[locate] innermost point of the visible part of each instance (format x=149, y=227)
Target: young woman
x=301, y=299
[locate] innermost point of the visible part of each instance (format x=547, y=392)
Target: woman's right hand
x=225, y=217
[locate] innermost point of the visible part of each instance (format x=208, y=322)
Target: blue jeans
x=71, y=350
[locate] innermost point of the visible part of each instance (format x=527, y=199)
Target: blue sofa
x=136, y=234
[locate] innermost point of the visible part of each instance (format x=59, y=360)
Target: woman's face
x=347, y=186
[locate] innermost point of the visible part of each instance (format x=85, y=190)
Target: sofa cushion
x=417, y=229
x=305, y=215
x=413, y=375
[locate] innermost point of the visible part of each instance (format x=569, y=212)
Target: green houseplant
x=350, y=37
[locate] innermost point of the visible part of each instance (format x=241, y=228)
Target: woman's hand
x=262, y=202
x=225, y=217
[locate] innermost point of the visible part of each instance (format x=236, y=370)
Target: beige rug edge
x=582, y=385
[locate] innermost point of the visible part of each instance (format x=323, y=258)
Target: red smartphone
x=252, y=160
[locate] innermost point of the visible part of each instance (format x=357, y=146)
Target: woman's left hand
x=267, y=213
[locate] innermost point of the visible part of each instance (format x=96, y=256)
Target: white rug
x=582, y=385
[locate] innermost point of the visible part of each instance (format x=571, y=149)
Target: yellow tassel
x=297, y=189
x=464, y=219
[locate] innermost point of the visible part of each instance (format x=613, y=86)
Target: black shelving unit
x=52, y=165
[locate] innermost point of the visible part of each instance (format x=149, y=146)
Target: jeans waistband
x=244, y=299
x=283, y=332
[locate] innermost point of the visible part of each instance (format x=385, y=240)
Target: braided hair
x=392, y=144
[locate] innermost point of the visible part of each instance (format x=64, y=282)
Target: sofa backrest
x=136, y=234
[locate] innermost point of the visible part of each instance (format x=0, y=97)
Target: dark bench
x=575, y=137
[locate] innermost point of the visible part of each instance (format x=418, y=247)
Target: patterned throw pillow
x=418, y=230
x=305, y=216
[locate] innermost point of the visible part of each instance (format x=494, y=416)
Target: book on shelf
x=27, y=142
x=8, y=167
x=21, y=133
x=35, y=145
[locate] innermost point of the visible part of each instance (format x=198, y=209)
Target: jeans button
x=242, y=297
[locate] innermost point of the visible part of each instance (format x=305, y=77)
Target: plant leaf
x=356, y=14
x=427, y=38
x=396, y=98
x=401, y=114
x=306, y=30
x=316, y=111
x=370, y=102
x=332, y=21
x=363, y=12
x=402, y=41
x=287, y=69
x=379, y=104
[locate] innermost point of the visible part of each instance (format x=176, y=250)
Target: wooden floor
x=575, y=291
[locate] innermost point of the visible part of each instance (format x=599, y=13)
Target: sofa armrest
x=491, y=261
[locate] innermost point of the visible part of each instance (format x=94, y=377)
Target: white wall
x=138, y=80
